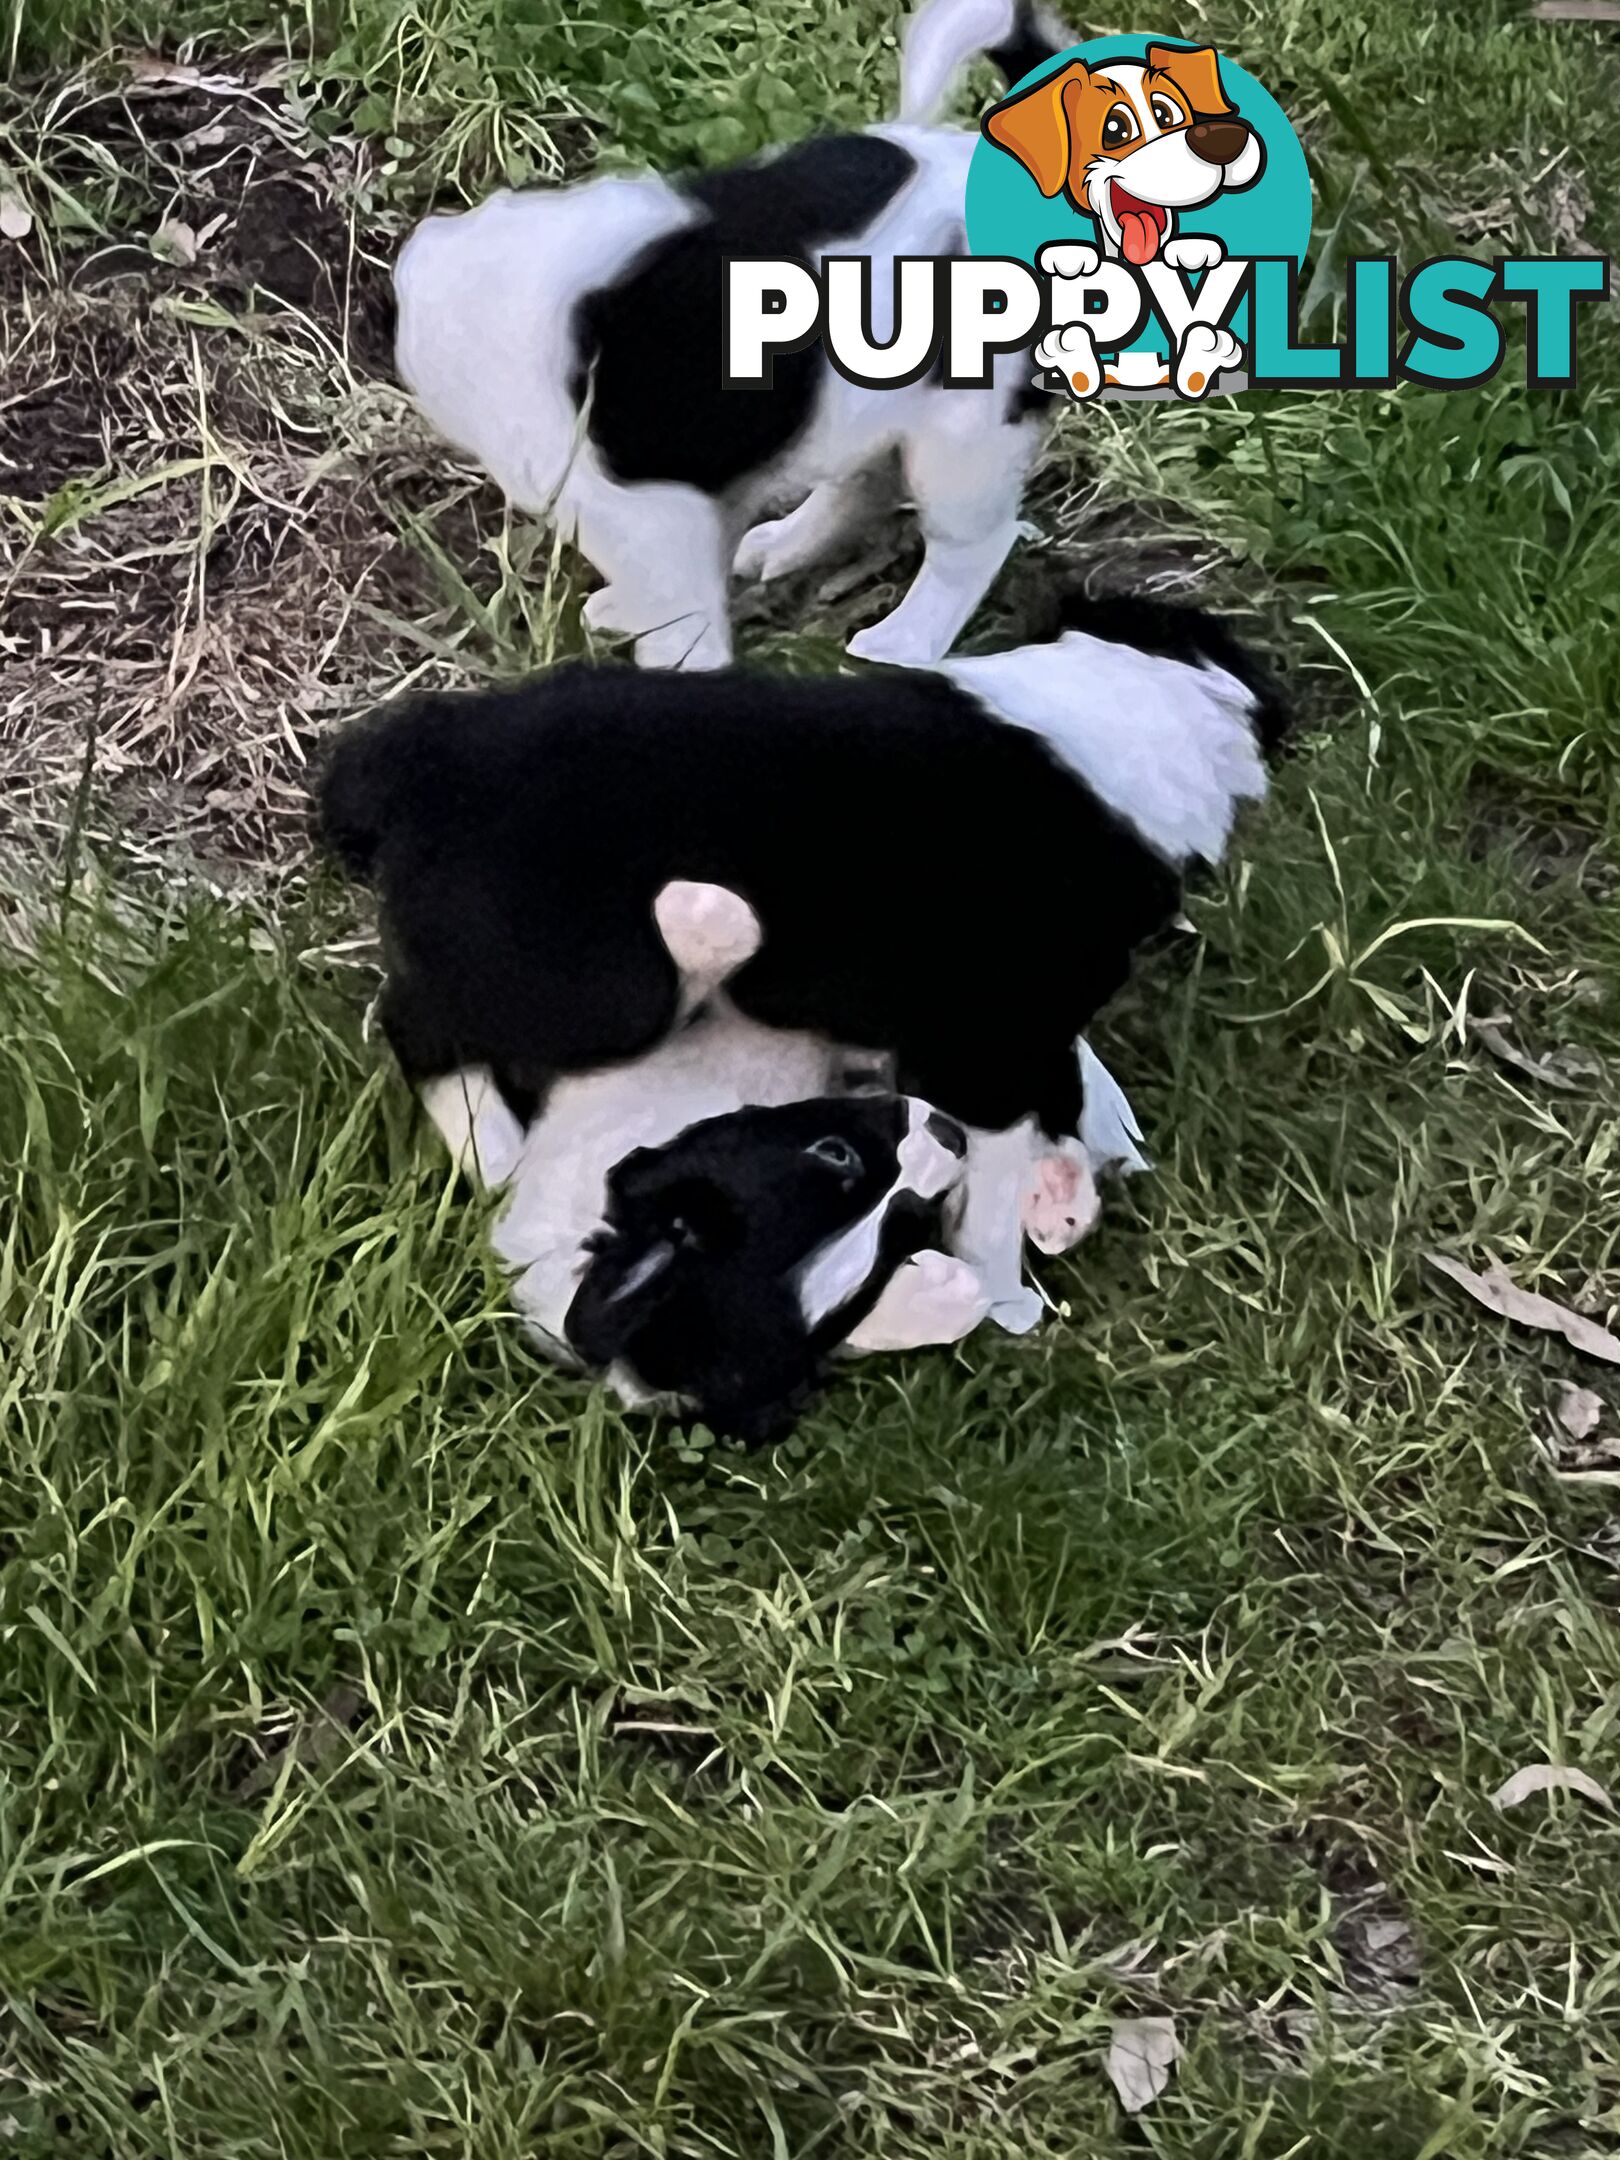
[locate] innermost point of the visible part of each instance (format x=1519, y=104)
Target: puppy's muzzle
x=1218, y=142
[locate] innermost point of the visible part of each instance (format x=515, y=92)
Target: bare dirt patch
x=206, y=476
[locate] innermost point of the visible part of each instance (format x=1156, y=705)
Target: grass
x=400, y=1753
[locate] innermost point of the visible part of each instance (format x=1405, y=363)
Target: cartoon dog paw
x=1072, y=353
x=1193, y=251
x=1205, y=352
x=1060, y=1204
x=1068, y=258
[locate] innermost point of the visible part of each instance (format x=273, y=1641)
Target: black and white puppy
x=735, y=1260
x=708, y=1222
x=571, y=341
x=951, y=867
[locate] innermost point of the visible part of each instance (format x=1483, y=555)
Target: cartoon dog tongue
x=1139, y=235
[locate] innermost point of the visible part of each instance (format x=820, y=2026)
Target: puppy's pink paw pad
x=1060, y=1206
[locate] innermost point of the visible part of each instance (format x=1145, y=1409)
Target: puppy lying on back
x=570, y=339
x=952, y=868
x=708, y=1223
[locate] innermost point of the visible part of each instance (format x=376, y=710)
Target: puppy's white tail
x=1159, y=710
x=944, y=35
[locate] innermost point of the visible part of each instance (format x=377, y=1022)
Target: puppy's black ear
x=624, y=1291
x=371, y=773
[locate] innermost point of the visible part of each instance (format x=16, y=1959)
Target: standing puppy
x=571, y=341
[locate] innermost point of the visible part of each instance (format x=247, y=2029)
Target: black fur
x=929, y=880
x=1024, y=51
x=693, y=1281
x=649, y=345
x=1172, y=633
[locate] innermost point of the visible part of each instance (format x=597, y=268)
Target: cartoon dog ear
x=1197, y=75
x=1034, y=126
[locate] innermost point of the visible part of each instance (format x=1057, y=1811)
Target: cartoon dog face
x=1131, y=143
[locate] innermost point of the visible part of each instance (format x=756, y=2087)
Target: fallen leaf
x=159, y=74
x=1141, y=2054
x=16, y=219
x=1578, y=1410
x=1558, y=1070
x=1499, y=1293
x=1588, y=1462
x=1577, y=11
x=175, y=242
x=1548, y=1777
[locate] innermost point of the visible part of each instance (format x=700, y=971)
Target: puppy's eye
x=836, y=1154
x=1119, y=128
x=1165, y=113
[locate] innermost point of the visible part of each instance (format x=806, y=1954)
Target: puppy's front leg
x=475, y=1123
x=807, y=535
x=991, y=1236
x=966, y=472
x=931, y=1298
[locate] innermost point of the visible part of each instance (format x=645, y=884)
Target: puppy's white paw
x=931, y=1298
x=1193, y=251
x=1071, y=351
x=1017, y=1312
x=483, y=1136
x=1068, y=259
x=1060, y=1204
x=708, y=930
x=608, y=609
x=765, y=552
x=1205, y=351
x=895, y=643
x=689, y=643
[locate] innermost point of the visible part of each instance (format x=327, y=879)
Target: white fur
x=1108, y=1128
x=483, y=1136
x=925, y=1167
x=486, y=303
x=1167, y=744
x=558, y=1184
x=990, y=1236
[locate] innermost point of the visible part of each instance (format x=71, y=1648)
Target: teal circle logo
x=1139, y=161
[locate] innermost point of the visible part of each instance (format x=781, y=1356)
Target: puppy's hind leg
x=966, y=470
x=665, y=552
x=828, y=514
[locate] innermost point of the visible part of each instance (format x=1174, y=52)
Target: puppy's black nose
x=1217, y=142
x=947, y=1132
